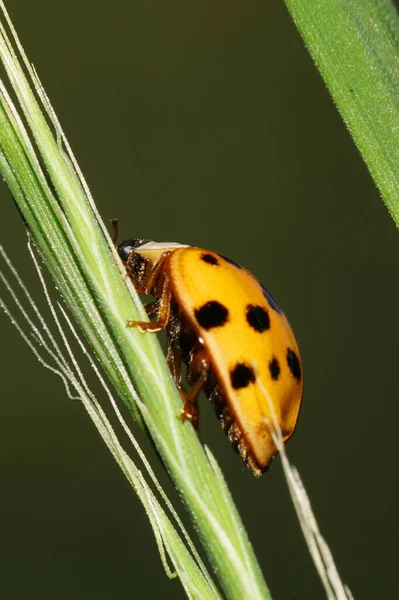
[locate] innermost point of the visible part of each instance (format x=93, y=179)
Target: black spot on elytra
x=230, y=261
x=271, y=301
x=257, y=318
x=294, y=364
x=209, y=258
x=212, y=314
x=274, y=368
x=241, y=376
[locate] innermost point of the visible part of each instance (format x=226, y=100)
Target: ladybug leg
x=163, y=312
x=152, y=308
x=114, y=223
x=199, y=365
x=153, y=276
x=174, y=361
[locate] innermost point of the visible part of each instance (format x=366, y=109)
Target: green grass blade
x=355, y=45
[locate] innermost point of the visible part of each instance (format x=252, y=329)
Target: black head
x=125, y=248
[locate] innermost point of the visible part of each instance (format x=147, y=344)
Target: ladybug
x=233, y=336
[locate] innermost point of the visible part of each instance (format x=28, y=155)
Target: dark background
x=207, y=123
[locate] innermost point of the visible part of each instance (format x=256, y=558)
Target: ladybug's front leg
x=162, y=306
x=152, y=308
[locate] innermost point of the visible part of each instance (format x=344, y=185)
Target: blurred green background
x=207, y=123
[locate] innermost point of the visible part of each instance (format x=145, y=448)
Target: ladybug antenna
x=114, y=223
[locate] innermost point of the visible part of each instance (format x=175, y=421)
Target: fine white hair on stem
x=134, y=442
x=73, y=378
x=318, y=548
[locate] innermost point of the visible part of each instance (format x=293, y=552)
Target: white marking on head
x=161, y=246
x=154, y=250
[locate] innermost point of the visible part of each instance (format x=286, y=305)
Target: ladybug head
x=124, y=249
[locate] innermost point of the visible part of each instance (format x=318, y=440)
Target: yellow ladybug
x=237, y=343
